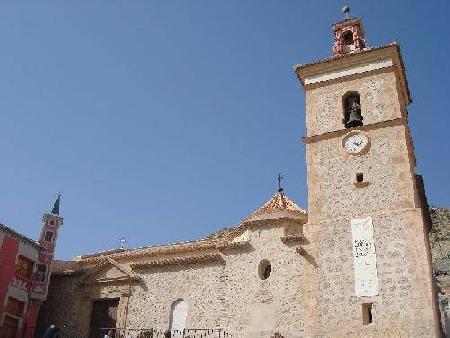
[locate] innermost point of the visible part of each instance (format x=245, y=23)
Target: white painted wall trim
x=364, y=257
x=363, y=68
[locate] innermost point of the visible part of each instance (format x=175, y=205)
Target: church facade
x=357, y=263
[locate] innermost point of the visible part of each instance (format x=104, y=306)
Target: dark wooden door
x=104, y=315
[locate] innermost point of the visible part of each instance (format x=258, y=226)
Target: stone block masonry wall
x=379, y=102
x=256, y=307
x=230, y=295
x=386, y=167
x=62, y=304
x=310, y=295
x=150, y=303
x=404, y=304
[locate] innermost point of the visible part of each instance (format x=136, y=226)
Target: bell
x=354, y=119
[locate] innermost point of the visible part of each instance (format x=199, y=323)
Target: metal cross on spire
x=346, y=11
x=280, y=178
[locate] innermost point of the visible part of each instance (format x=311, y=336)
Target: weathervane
x=280, y=178
x=346, y=11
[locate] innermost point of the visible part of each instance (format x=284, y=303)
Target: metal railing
x=156, y=333
x=65, y=331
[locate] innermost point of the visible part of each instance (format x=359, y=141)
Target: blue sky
x=162, y=121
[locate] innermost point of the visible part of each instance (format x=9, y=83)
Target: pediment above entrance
x=109, y=271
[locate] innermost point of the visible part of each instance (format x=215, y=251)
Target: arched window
x=48, y=236
x=264, y=269
x=178, y=315
x=348, y=38
x=352, y=110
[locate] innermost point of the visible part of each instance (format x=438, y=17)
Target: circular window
x=264, y=269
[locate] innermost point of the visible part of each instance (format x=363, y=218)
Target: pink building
x=24, y=275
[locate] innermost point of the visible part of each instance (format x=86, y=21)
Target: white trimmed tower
x=47, y=239
x=368, y=218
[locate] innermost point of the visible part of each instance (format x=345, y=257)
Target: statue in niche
x=353, y=117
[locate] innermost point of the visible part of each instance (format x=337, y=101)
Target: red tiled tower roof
x=278, y=206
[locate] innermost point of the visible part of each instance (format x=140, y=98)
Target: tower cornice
x=341, y=132
x=49, y=215
x=348, y=22
x=353, y=64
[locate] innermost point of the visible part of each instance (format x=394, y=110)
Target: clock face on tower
x=355, y=142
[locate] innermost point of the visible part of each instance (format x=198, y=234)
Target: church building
x=356, y=263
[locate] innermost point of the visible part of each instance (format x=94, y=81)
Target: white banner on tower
x=365, y=258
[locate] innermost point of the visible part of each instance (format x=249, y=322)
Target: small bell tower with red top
x=348, y=35
x=49, y=234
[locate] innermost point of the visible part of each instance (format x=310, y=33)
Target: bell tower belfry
x=51, y=222
x=368, y=219
x=348, y=35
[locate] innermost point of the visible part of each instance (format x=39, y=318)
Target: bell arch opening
x=347, y=37
x=351, y=104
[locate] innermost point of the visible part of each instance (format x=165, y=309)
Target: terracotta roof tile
x=343, y=56
x=65, y=267
x=101, y=253
x=180, y=247
x=179, y=260
x=279, y=206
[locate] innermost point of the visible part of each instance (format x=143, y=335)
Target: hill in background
x=440, y=249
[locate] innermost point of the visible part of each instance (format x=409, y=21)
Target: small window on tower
x=48, y=236
x=40, y=273
x=51, y=222
x=360, y=181
x=359, y=177
x=367, y=313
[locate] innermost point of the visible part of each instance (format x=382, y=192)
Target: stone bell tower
x=367, y=214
